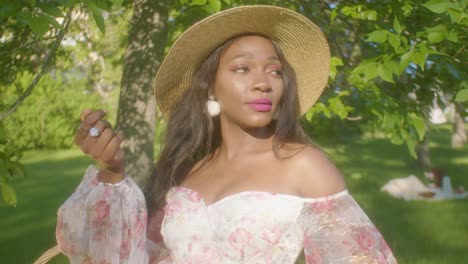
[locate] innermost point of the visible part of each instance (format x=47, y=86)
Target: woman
x=237, y=180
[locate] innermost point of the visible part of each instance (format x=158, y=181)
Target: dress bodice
x=102, y=223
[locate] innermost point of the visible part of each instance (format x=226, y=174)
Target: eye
x=277, y=72
x=242, y=69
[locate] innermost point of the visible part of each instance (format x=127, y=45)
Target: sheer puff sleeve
x=336, y=230
x=103, y=223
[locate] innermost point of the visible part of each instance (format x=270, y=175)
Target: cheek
x=279, y=91
x=228, y=88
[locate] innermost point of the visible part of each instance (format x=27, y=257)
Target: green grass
x=417, y=231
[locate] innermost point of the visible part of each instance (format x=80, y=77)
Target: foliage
x=391, y=60
x=31, y=34
x=398, y=56
x=10, y=168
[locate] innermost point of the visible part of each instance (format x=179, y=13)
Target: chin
x=259, y=122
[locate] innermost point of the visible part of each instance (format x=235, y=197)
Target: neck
x=238, y=141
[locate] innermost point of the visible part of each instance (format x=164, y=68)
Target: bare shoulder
x=313, y=174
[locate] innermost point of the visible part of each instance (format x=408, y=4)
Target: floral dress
x=107, y=223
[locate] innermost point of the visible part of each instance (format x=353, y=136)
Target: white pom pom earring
x=212, y=106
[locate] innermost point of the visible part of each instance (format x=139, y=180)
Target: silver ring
x=94, y=132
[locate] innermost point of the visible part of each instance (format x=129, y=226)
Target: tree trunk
x=136, y=115
x=458, y=132
x=424, y=157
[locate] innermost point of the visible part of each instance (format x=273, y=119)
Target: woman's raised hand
x=96, y=138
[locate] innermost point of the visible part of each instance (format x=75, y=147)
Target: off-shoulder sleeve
x=103, y=223
x=336, y=230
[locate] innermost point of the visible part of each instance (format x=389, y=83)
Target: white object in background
x=446, y=188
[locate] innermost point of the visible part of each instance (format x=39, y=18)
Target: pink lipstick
x=260, y=105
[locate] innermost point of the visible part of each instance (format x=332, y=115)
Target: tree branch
x=45, y=66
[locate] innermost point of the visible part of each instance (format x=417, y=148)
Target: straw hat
x=301, y=41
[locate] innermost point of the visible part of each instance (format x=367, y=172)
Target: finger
x=120, y=155
x=89, y=142
x=101, y=143
x=112, y=147
x=85, y=113
x=89, y=118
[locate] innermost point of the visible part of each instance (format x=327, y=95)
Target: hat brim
x=301, y=41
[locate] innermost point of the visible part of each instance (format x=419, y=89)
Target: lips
x=260, y=104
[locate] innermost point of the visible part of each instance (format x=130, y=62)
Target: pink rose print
x=124, y=249
x=313, y=254
x=323, y=206
x=272, y=235
x=240, y=238
x=101, y=212
x=195, y=197
x=365, y=240
x=140, y=223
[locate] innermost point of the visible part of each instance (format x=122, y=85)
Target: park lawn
x=417, y=231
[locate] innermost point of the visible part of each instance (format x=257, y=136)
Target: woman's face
x=249, y=82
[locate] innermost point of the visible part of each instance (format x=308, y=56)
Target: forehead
x=251, y=47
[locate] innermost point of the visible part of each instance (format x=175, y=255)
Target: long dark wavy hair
x=192, y=135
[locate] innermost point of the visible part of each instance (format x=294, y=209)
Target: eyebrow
x=249, y=56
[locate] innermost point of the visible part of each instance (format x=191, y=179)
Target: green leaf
x=397, y=26
x=377, y=36
x=198, y=2
x=335, y=62
x=39, y=25
x=216, y=5
x=439, y=6
x=420, y=59
x=367, y=69
x=385, y=73
x=393, y=66
x=455, y=14
x=371, y=15
x=51, y=20
x=436, y=36
x=411, y=147
x=103, y=4
x=452, y=35
x=462, y=96
x=97, y=15
x=333, y=15
x=407, y=9
x=183, y=2
x=396, y=139
x=405, y=60
x=227, y=2
x=338, y=107
x=51, y=9
x=420, y=126
x=394, y=40
x=67, y=3
x=8, y=194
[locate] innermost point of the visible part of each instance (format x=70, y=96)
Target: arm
x=336, y=230
x=103, y=222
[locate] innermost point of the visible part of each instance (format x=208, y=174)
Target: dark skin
x=105, y=149
x=245, y=161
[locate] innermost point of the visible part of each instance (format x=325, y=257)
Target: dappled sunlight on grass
x=29, y=229
x=417, y=231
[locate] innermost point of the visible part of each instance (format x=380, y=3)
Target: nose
x=261, y=83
